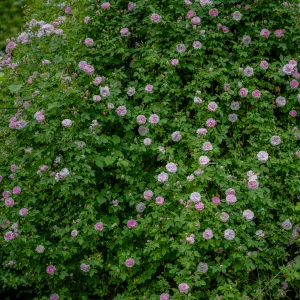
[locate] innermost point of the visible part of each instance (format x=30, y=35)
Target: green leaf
x=53, y=105
x=99, y=161
x=14, y=87
x=109, y=160
x=116, y=139
x=101, y=199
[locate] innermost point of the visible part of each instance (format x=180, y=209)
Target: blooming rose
x=131, y=223
x=50, y=269
x=99, y=226
x=208, y=234
x=129, y=263
x=183, y=287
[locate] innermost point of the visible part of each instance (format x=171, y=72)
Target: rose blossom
x=293, y=113
x=195, y=197
x=131, y=223
x=253, y=184
x=288, y=69
x=23, y=212
x=190, y=239
x=121, y=111
x=176, y=136
x=262, y=156
x=280, y=101
x=199, y=206
x=141, y=119
x=208, y=234
x=229, y=234
x=105, y=5
x=265, y=33
x=207, y=146
x=294, y=84
x=74, y=233
x=51, y=269
x=148, y=194
x=89, y=42
x=264, y=64
x=196, y=20
x=16, y=190
x=211, y=122
x=248, y=214
x=154, y=119
x=275, y=140
x=147, y=141
x=9, y=236
x=216, y=200
x=202, y=131
x=85, y=267
x=40, y=249
x=204, y=160
x=183, y=287
x=66, y=123
x=148, y=88
x=174, y=62
x=248, y=71
x=104, y=91
x=287, y=225
x=129, y=263
x=197, y=45
x=54, y=297
x=243, y=92
x=224, y=217
x=96, y=98
x=159, y=200
x=171, y=167
x=9, y=202
x=99, y=226
x=260, y=233
x=190, y=14
x=87, y=20
x=180, y=48
x=231, y=199
x=212, y=106
x=155, y=18
x=256, y=94
x=131, y=6
x=125, y=32
x=213, y=12
x=164, y=296
x=162, y=177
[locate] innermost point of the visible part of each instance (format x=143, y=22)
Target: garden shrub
x=154, y=153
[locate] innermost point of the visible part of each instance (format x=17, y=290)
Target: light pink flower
x=204, y=160
x=96, y=98
x=264, y=64
x=99, y=226
x=207, y=146
x=216, y=200
x=262, y=156
x=196, y=20
x=51, y=269
x=190, y=239
x=197, y=45
x=191, y=13
x=174, y=62
x=176, y=136
x=253, y=184
x=183, y=287
x=213, y=12
x=163, y=177
x=293, y=113
x=256, y=94
x=149, y=88
x=202, y=131
x=105, y=5
x=155, y=18
x=229, y=234
x=231, y=199
x=74, y=233
x=129, y=263
x=23, y=212
x=208, y=234
x=265, y=33
x=5, y=194
x=287, y=225
x=199, y=206
x=164, y=296
x=211, y=122
x=212, y=106
x=131, y=223
x=154, y=119
x=195, y=197
x=148, y=194
x=279, y=33
x=141, y=119
x=171, y=167
x=54, y=297
x=68, y=10
x=9, y=202
x=294, y=84
x=248, y=214
x=87, y=20
x=121, y=111
x=159, y=200
x=131, y=6
x=125, y=32
x=9, y=236
x=89, y=42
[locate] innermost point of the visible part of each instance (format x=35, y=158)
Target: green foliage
x=109, y=157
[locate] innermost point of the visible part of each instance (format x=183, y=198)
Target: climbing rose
x=129, y=263
x=131, y=223
x=208, y=234
x=229, y=234
x=54, y=297
x=183, y=287
x=155, y=18
x=50, y=269
x=23, y=212
x=99, y=226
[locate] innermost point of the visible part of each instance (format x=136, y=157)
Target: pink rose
x=89, y=42
x=68, y=10
x=190, y=14
x=155, y=18
x=50, y=270
x=99, y=226
x=183, y=287
x=174, y=62
x=131, y=223
x=256, y=94
x=129, y=263
x=294, y=84
x=213, y=12
x=243, y=92
x=105, y=5
x=265, y=33
x=293, y=113
x=23, y=212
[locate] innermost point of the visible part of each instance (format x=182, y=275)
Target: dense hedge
x=154, y=153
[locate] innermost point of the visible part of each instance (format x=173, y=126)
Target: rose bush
x=154, y=152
